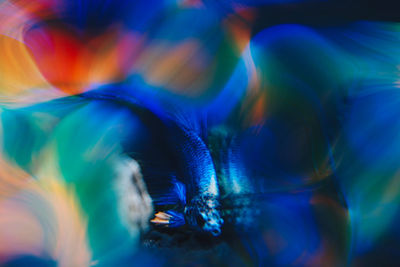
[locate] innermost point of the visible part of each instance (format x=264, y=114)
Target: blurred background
x=199, y=133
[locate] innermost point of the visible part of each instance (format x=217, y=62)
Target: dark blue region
x=97, y=15
x=151, y=145
x=30, y=260
x=326, y=13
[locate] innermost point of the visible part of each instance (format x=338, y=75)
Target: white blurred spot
x=134, y=202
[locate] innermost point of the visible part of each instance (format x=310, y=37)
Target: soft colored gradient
x=293, y=132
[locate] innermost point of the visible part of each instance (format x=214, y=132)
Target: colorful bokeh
x=199, y=133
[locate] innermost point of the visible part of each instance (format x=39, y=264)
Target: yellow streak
x=41, y=217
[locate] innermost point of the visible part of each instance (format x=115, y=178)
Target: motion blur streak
x=46, y=220
x=199, y=132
